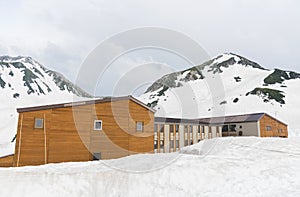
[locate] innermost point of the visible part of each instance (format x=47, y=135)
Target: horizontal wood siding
x=140, y=142
x=6, y=161
x=275, y=125
x=70, y=134
x=32, y=144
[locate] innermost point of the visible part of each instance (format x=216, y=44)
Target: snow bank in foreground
x=218, y=167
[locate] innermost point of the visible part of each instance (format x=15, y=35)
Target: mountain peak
x=229, y=59
x=25, y=73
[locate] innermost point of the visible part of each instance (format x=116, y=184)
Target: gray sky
x=61, y=33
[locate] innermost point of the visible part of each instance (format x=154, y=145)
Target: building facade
x=99, y=129
x=256, y=124
x=111, y=128
x=171, y=134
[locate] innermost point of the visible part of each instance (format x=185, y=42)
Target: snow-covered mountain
x=225, y=85
x=25, y=82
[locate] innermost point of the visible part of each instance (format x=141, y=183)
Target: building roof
x=233, y=119
x=177, y=120
x=87, y=102
x=254, y=117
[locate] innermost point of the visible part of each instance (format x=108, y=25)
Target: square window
x=139, y=126
x=96, y=156
x=98, y=125
x=39, y=123
x=268, y=128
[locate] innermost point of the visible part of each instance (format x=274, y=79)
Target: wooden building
x=6, y=161
x=82, y=131
x=256, y=124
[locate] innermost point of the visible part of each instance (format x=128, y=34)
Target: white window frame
x=136, y=125
x=95, y=123
x=35, y=123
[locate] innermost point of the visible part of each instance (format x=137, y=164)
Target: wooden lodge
x=99, y=129
x=111, y=128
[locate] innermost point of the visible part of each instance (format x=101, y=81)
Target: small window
x=96, y=156
x=177, y=144
x=171, y=143
x=199, y=129
x=155, y=128
x=241, y=126
x=191, y=129
x=269, y=128
x=161, y=128
x=155, y=144
x=186, y=129
x=232, y=127
x=139, y=126
x=177, y=128
x=39, y=123
x=186, y=142
x=203, y=129
x=171, y=128
x=162, y=144
x=225, y=128
x=98, y=125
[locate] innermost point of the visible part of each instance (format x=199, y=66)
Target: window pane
x=161, y=128
x=232, y=127
x=155, y=144
x=171, y=128
x=139, y=126
x=177, y=128
x=224, y=128
x=98, y=125
x=39, y=123
x=96, y=156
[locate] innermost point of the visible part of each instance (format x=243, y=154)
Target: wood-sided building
x=82, y=131
x=256, y=124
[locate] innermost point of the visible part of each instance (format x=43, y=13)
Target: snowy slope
x=24, y=82
x=218, y=167
x=226, y=85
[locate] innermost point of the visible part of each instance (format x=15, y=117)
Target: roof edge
x=83, y=103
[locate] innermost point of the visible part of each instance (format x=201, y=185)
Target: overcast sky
x=61, y=33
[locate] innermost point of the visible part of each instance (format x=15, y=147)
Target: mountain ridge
x=248, y=87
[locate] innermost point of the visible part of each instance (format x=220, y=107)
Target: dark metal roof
x=87, y=102
x=233, y=119
x=255, y=117
x=177, y=120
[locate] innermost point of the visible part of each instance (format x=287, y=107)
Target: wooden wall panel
x=31, y=143
x=6, y=161
x=69, y=134
x=275, y=125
